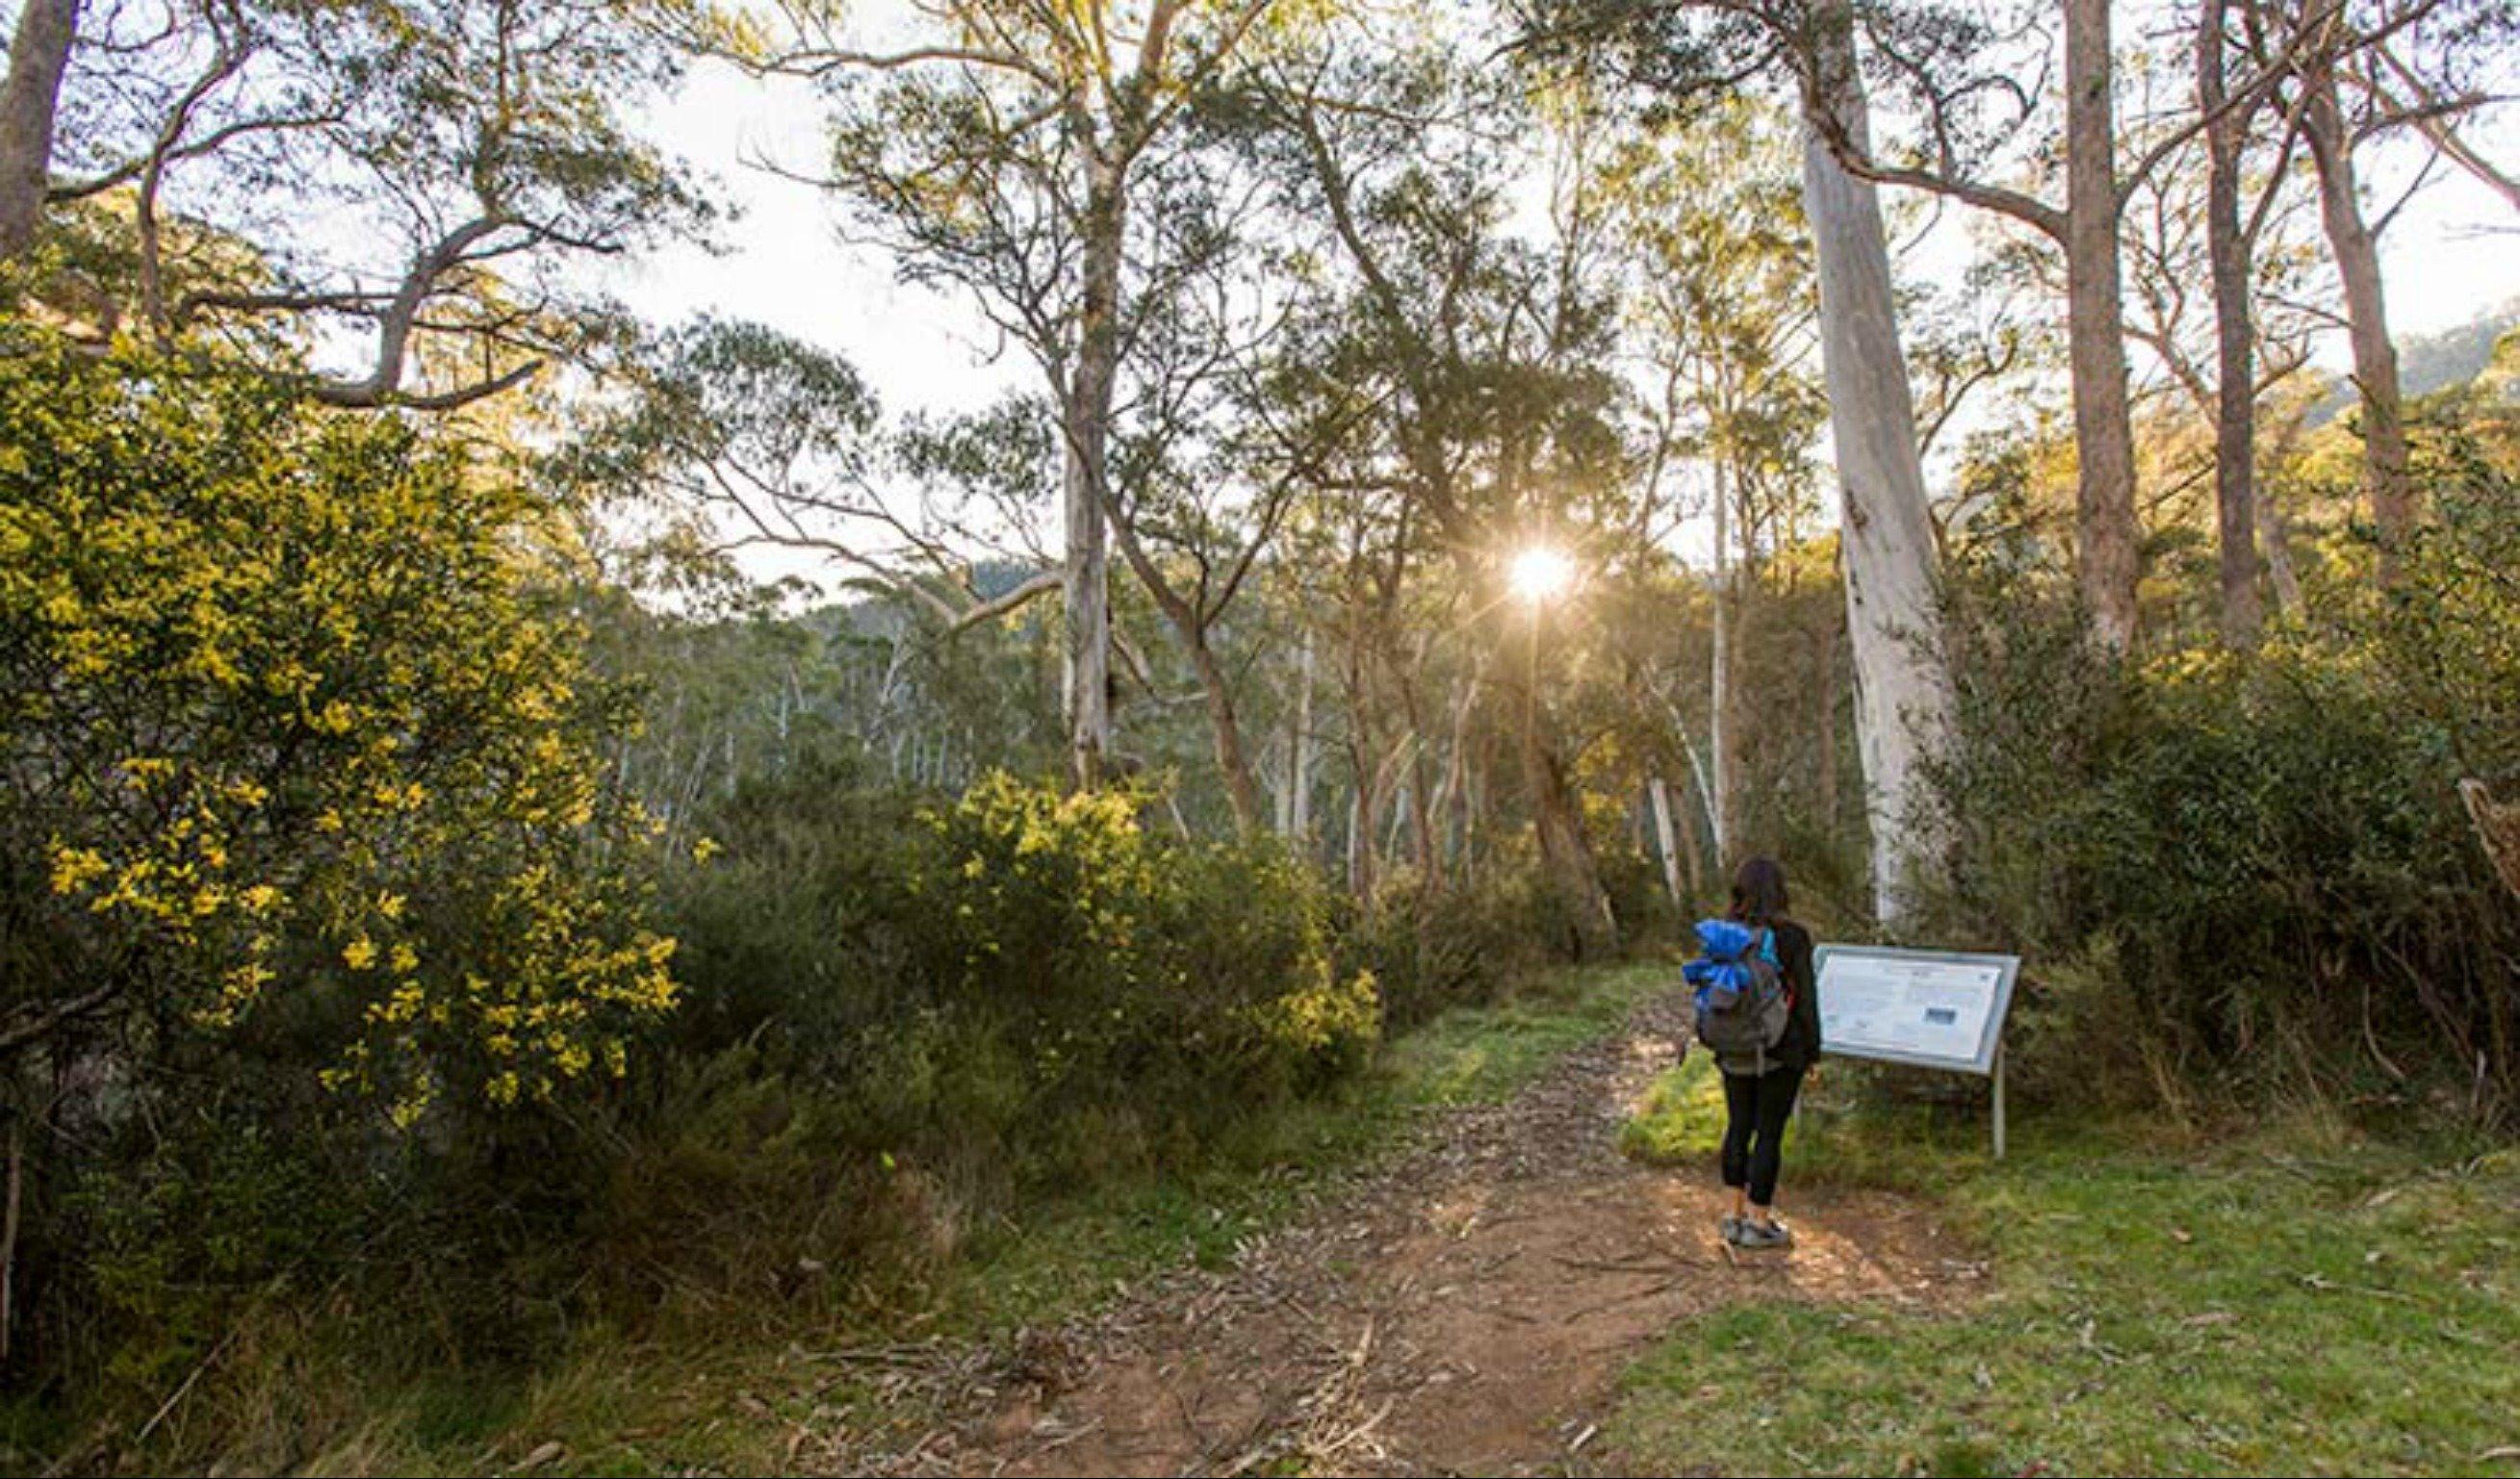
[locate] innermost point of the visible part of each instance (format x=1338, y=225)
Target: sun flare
x=1540, y=573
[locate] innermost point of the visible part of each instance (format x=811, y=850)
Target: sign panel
x=1933, y=1009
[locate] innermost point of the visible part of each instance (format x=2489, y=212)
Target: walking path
x=1464, y=1306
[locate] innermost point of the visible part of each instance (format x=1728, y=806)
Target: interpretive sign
x=1932, y=1009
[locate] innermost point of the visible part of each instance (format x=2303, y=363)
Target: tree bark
x=1886, y=529
x=1665, y=838
x=2275, y=539
x=1719, y=680
x=2357, y=249
x=30, y=102
x=2103, y=434
x=1422, y=807
x=1088, y=412
x=2236, y=412
x=1241, y=791
x=1298, y=823
x=1558, y=818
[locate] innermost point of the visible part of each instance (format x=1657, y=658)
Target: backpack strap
x=1768, y=948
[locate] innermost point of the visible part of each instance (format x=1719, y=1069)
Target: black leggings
x=1754, y=1132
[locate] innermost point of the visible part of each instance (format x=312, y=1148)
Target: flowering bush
x=288, y=732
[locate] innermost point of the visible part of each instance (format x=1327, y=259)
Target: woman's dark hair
x=1759, y=892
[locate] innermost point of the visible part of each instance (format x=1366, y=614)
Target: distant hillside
x=2432, y=362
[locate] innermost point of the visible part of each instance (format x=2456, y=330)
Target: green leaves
x=291, y=729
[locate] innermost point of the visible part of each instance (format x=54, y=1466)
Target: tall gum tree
x=1489, y=351
x=1887, y=528
x=1947, y=85
x=996, y=151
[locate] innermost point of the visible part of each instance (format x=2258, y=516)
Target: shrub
x=1015, y=986
x=296, y=744
x=311, y=901
x=2266, y=851
x=1431, y=950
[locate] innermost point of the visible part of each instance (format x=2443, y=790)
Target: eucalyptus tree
x=2222, y=215
x=1723, y=312
x=996, y=149
x=2353, y=74
x=422, y=175
x=719, y=438
x=1677, y=52
x=1487, y=354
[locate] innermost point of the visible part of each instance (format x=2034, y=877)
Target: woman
x=1757, y=1105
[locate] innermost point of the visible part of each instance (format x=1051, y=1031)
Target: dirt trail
x=1465, y=1306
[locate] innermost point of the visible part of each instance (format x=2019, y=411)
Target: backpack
x=1743, y=1002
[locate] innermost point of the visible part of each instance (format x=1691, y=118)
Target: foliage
x=2269, y=850
x=296, y=744
x=1018, y=967
x=458, y=153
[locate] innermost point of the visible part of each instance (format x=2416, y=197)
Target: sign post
x=1929, y=1009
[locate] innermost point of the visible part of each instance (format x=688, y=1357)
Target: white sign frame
x=1988, y=1059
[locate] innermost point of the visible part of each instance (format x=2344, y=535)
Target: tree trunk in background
x=2103, y=434
x=1241, y=791
x=1087, y=413
x=2275, y=540
x=1450, y=813
x=1691, y=849
x=1360, y=837
x=1300, y=808
x=1366, y=769
x=1421, y=824
x=1567, y=849
x=1902, y=692
x=2235, y=409
x=1557, y=818
x=29, y=101
x=1659, y=792
x=2366, y=313
x=1719, y=681
x=1824, y=736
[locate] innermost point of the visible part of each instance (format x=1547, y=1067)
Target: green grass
x=1483, y=1054
x=1849, y=1129
x=2298, y=1299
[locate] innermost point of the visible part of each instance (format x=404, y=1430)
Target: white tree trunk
x=1088, y=416
x=1299, y=805
x=1903, y=693
x=1719, y=680
x=1660, y=792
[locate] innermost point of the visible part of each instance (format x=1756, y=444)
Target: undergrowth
x=734, y=1380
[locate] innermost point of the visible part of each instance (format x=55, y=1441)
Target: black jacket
x=1800, y=1047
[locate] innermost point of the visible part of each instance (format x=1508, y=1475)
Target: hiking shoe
x=1732, y=1229
x=1767, y=1235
